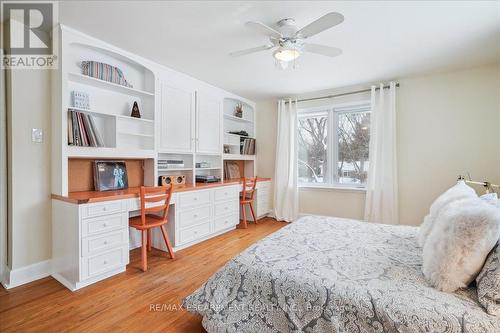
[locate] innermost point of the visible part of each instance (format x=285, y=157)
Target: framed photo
x=110, y=175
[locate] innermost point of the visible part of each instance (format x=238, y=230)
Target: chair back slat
x=249, y=185
x=155, y=195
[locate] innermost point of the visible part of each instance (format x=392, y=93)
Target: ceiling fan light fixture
x=286, y=54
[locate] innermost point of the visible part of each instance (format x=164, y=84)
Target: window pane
x=353, y=145
x=312, y=139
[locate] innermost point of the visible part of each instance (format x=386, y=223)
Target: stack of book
x=247, y=146
x=82, y=130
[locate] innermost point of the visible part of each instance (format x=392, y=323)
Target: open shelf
x=239, y=157
x=230, y=117
x=137, y=134
x=99, y=113
x=104, y=152
x=84, y=79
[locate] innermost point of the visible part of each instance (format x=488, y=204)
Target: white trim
x=333, y=188
x=26, y=274
x=3, y=176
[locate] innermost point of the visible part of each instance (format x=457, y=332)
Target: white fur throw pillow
x=459, y=191
x=463, y=234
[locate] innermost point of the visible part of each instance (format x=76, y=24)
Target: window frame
x=332, y=111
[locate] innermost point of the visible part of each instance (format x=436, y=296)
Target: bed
x=323, y=274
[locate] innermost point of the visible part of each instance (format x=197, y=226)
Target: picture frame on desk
x=110, y=175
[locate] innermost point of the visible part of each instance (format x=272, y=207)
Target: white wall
x=448, y=123
x=29, y=101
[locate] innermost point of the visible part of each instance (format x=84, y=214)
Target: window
x=333, y=144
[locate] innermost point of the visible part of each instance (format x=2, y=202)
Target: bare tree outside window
x=353, y=147
x=350, y=150
x=312, y=141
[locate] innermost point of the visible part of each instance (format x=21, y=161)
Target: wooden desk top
x=133, y=192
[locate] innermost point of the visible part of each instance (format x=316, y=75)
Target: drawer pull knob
x=105, y=242
x=104, y=208
x=104, y=225
x=195, y=215
x=105, y=262
x=195, y=198
x=225, y=193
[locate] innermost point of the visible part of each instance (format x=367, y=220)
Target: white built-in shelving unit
x=233, y=123
x=124, y=137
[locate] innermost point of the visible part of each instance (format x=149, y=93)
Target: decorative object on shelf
x=135, y=111
x=227, y=149
x=207, y=179
x=231, y=170
x=241, y=133
x=171, y=179
x=202, y=165
x=110, y=175
x=238, y=110
x=80, y=100
x=104, y=72
x=170, y=164
x=82, y=130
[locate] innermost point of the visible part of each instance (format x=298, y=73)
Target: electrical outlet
x=37, y=135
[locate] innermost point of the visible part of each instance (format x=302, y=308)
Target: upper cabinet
x=176, y=118
x=208, y=124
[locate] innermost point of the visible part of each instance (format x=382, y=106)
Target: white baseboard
x=19, y=276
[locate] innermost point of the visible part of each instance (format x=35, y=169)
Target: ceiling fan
x=288, y=39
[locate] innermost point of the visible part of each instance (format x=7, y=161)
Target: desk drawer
x=101, y=263
x=191, y=217
x=226, y=208
x=225, y=222
x=99, y=209
x=264, y=185
x=103, y=242
x=195, y=232
x=96, y=225
x=226, y=193
x=194, y=198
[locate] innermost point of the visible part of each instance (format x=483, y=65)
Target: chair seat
x=151, y=222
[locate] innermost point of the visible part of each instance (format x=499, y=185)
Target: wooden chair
x=152, y=217
x=246, y=198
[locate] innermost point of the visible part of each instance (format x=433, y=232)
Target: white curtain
x=286, y=195
x=382, y=184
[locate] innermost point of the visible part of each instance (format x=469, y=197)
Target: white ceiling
x=380, y=40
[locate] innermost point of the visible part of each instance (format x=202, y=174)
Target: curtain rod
x=342, y=94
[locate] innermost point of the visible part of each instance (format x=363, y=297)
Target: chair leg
x=253, y=213
x=144, y=253
x=243, y=224
x=167, y=242
x=149, y=240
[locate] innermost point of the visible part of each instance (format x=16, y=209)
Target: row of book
x=82, y=130
x=247, y=146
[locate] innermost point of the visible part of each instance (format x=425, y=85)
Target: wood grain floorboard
x=123, y=302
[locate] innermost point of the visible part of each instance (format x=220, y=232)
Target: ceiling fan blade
x=264, y=29
x=328, y=51
x=325, y=22
x=252, y=50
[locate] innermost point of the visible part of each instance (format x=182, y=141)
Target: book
x=82, y=130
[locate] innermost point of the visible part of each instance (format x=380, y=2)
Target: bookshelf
x=234, y=143
x=123, y=136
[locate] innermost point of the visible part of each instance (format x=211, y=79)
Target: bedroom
x=73, y=258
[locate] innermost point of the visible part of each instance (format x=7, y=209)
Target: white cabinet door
x=208, y=121
x=176, y=119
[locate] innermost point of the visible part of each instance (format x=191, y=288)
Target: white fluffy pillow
x=459, y=191
x=463, y=234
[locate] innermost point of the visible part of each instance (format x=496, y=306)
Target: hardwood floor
x=126, y=302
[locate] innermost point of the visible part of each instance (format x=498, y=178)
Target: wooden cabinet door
x=208, y=124
x=176, y=119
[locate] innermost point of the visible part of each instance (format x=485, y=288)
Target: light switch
x=37, y=135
